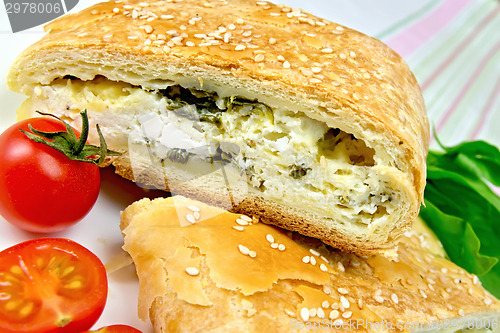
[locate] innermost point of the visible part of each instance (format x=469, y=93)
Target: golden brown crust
x=271, y=288
x=281, y=55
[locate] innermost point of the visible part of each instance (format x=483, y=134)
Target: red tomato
x=50, y=285
x=42, y=190
x=116, y=329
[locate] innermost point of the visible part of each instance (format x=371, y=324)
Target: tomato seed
x=76, y=284
x=27, y=309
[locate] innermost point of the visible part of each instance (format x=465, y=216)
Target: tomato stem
x=67, y=143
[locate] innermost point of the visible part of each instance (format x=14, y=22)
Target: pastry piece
x=202, y=269
x=247, y=105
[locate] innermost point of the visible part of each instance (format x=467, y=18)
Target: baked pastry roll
x=246, y=105
x=203, y=269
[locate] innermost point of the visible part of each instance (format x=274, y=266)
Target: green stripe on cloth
x=408, y=19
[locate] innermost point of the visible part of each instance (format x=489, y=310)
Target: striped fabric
x=453, y=47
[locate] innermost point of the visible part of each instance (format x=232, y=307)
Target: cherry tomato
x=116, y=329
x=42, y=190
x=50, y=285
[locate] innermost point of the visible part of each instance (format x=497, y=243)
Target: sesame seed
x=280, y=58
x=347, y=314
x=325, y=304
x=189, y=43
x=342, y=55
x=166, y=49
x=312, y=313
x=339, y=28
x=424, y=295
x=272, y=41
x=304, y=314
x=360, y=303
x=192, y=207
x=334, y=314
x=312, y=260
x=316, y=70
x=189, y=217
x=182, y=27
x=82, y=34
x=240, y=20
x=290, y=313
x=259, y=57
x=195, y=214
x=323, y=268
x=431, y=287
x=320, y=313
x=281, y=247
x=167, y=17
x=327, y=290
x=116, y=10
x=240, y=47
x=343, y=291
x=107, y=36
x=335, y=306
x=461, y=312
x=341, y=266
x=305, y=260
x=270, y=238
x=246, y=218
x=261, y=3
x=274, y=245
x=134, y=14
x=252, y=254
x=378, y=299
x=275, y=14
x=352, y=54
x=395, y=298
x=147, y=28
x=488, y=301
x=193, y=271
x=143, y=4
x=323, y=257
x=160, y=42
x=94, y=12
x=239, y=228
x=327, y=50
x=345, y=303
x=286, y=64
x=378, y=292
x=367, y=75
x=200, y=36
x=316, y=253
x=231, y=26
x=315, y=80
x=227, y=35
x=475, y=279
x=241, y=222
x=431, y=280
x=243, y=249
x=127, y=7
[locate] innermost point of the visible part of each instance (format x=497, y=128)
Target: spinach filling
x=207, y=106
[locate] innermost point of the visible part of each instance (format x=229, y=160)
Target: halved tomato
x=116, y=329
x=50, y=285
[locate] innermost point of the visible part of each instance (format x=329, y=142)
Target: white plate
x=99, y=231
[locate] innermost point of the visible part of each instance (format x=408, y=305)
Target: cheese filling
x=283, y=153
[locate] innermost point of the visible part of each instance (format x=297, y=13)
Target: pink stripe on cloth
x=486, y=110
x=465, y=88
x=420, y=32
x=462, y=45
